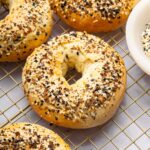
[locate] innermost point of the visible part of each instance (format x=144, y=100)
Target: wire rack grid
x=130, y=127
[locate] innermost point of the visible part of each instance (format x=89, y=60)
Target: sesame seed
x=146, y=40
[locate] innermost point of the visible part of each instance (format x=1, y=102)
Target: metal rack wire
x=128, y=129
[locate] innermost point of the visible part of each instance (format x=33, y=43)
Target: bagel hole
x=72, y=76
x=3, y=12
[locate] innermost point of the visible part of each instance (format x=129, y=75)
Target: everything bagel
x=89, y=102
x=27, y=136
x=27, y=26
x=93, y=15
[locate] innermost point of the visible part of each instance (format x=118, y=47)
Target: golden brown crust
x=92, y=15
x=93, y=99
x=30, y=136
x=27, y=26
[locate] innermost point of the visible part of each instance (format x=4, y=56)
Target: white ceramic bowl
x=139, y=17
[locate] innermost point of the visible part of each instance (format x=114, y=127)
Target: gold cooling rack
x=128, y=129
